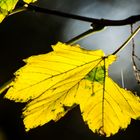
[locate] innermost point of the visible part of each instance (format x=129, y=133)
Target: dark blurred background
x=31, y=33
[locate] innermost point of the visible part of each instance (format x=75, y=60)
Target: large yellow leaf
x=54, y=83
x=106, y=107
x=66, y=65
x=50, y=80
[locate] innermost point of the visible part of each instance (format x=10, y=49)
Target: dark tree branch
x=94, y=21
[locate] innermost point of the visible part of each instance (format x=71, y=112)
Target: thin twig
x=18, y=10
x=135, y=68
x=85, y=34
x=127, y=41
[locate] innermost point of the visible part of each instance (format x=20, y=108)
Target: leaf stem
x=18, y=10
x=127, y=41
x=85, y=34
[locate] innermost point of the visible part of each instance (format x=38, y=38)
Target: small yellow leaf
x=6, y=6
x=29, y=1
x=2, y=16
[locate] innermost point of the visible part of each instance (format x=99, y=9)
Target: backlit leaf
x=55, y=82
x=6, y=7
x=64, y=65
x=51, y=80
x=106, y=107
x=29, y=1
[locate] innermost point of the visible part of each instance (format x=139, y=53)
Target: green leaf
x=6, y=7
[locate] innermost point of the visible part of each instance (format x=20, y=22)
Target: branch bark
x=103, y=22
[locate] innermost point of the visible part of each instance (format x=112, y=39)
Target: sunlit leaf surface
x=6, y=7
x=29, y=1
x=55, y=82
x=106, y=107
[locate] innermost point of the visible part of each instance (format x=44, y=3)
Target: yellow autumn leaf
x=29, y=1
x=64, y=65
x=55, y=82
x=7, y=6
x=49, y=80
x=106, y=107
x=2, y=16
